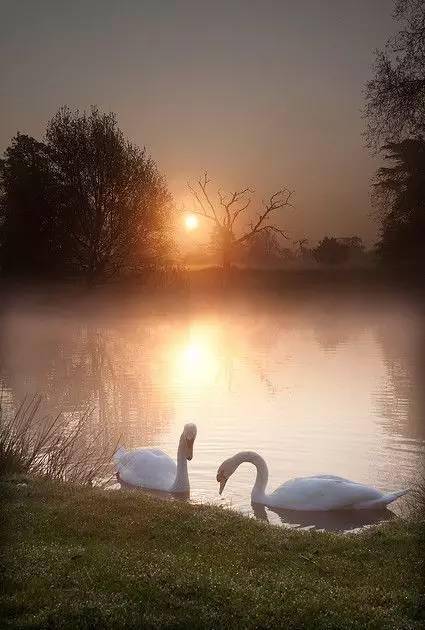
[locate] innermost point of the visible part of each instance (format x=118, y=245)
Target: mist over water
x=330, y=385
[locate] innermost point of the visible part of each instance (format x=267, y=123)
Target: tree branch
x=279, y=199
x=203, y=186
x=235, y=198
x=195, y=194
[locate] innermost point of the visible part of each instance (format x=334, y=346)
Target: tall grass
x=61, y=447
x=416, y=503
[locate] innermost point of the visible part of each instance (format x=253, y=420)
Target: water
x=326, y=385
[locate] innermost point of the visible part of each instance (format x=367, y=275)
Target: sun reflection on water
x=196, y=359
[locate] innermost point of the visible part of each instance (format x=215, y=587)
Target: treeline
x=265, y=249
x=84, y=202
x=87, y=203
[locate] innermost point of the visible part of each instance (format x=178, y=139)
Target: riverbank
x=76, y=557
x=180, y=280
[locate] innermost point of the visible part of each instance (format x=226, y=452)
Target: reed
x=62, y=447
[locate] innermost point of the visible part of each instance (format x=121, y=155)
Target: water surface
x=326, y=385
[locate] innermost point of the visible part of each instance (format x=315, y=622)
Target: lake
x=331, y=384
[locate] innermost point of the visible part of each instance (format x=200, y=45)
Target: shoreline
x=77, y=557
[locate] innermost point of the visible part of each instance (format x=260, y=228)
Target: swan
x=317, y=493
x=153, y=469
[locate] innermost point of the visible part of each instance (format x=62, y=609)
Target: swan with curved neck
x=316, y=493
x=153, y=469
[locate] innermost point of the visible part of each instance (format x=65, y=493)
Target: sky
x=263, y=93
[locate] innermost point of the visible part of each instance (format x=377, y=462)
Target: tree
x=399, y=196
x=86, y=200
x=264, y=248
x=227, y=211
x=303, y=252
x=331, y=251
x=395, y=97
x=29, y=216
x=354, y=243
x=301, y=243
x=116, y=203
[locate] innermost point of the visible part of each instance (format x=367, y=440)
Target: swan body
x=153, y=469
x=316, y=493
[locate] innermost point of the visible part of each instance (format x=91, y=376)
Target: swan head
x=188, y=437
x=225, y=471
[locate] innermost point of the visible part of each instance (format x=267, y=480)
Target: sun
x=191, y=222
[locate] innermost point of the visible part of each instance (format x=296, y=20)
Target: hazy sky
x=259, y=93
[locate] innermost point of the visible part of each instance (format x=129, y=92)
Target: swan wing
x=148, y=468
x=322, y=492
x=325, y=476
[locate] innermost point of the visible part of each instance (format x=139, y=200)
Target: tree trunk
x=226, y=261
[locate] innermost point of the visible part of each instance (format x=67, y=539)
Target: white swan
x=152, y=468
x=318, y=493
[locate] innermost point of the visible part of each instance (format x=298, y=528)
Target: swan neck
x=258, y=494
x=181, y=482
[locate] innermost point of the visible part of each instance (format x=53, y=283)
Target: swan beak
x=223, y=481
x=189, y=451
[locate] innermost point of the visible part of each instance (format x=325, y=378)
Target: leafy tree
x=226, y=213
x=331, y=251
x=116, y=203
x=399, y=195
x=395, y=97
x=354, y=243
x=28, y=209
x=86, y=200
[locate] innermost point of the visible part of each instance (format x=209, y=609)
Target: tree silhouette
x=304, y=253
x=395, y=97
x=29, y=214
x=264, y=248
x=85, y=201
x=115, y=199
x=331, y=251
x=302, y=242
x=227, y=211
x=399, y=196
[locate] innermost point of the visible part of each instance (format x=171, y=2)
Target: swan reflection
x=332, y=521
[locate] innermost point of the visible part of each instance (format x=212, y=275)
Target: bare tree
x=227, y=211
x=302, y=242
x=395, y=96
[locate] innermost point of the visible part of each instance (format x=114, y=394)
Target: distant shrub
x=331, y=252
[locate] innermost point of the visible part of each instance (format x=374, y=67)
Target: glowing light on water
x=196, y=360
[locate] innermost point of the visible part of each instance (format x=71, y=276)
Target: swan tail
x=389, y=498
x=118, y=454
x=383, y=501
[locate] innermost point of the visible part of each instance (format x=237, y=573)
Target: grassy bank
x=84, y=558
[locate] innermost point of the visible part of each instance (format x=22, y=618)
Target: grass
x=78, y=557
